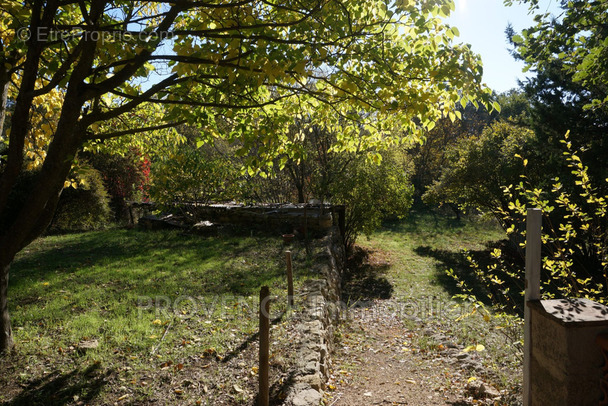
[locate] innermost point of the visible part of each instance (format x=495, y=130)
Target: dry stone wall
x=319, y=316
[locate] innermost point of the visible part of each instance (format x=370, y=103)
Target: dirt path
x=379, y=361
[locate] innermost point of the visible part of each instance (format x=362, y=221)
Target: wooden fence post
x=289, y=279
x=263, y=395
x=533, y=266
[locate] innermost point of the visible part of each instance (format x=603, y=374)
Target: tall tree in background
x=81, y=64
x=569, y=54
x=430, y=157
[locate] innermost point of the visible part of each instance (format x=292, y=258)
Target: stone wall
x=286, y=217
x=317, y=320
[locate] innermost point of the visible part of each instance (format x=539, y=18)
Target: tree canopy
x=74, y=73
x=568, y=52
x=575, y=42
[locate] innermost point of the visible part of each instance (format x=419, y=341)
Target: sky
x=482, y=24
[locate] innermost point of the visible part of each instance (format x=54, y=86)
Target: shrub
x=574, y=238
x=83, y=206
x=125, y=176
x=476, y=168
x=194, y=175
x=372, y=191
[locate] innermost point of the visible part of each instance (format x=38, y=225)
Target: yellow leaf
x=300, y=67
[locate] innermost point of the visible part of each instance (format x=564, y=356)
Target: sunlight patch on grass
x=146, y=298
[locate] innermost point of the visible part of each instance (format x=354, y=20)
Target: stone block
x=565, y=366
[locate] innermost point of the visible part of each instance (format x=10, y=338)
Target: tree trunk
x=3, y=100
x=6, y=333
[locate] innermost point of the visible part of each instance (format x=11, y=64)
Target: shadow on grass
x=248, y=341
x=460, y=264
x=148, y=260
x=54, y=389
x=426, y=221
x=364, y=279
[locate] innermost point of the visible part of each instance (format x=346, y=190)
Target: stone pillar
x=566, y=362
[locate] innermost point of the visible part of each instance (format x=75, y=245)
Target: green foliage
x=252, y=65
x=430, y=157
x=575, y=240
x=569, y=92
x=576, y=44
x=372, y=191
x=372, y=184
x=477, y=168
x=360, y=68
x=194, y=175
x=86, y=207
x=515, y=107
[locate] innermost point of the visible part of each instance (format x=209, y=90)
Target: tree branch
x=135, y=101
x=106, y=136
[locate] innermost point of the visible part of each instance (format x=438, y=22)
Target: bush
x=373, y=185
x=574, y=237
x=372, y=192
x=194, y=175
x=85, y=206
x=477, y=168
x=125, y=178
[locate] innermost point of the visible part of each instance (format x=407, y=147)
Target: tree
x=574, y=241
x=569, y=54
x=478, y=168
x=187, y=174
x=430, y=157
x=252, y=63
x=372, y=184
x=574, y=43
x=371, y=192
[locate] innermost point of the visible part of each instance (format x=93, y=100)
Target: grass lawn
x=171, y=316
x=409, y=259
